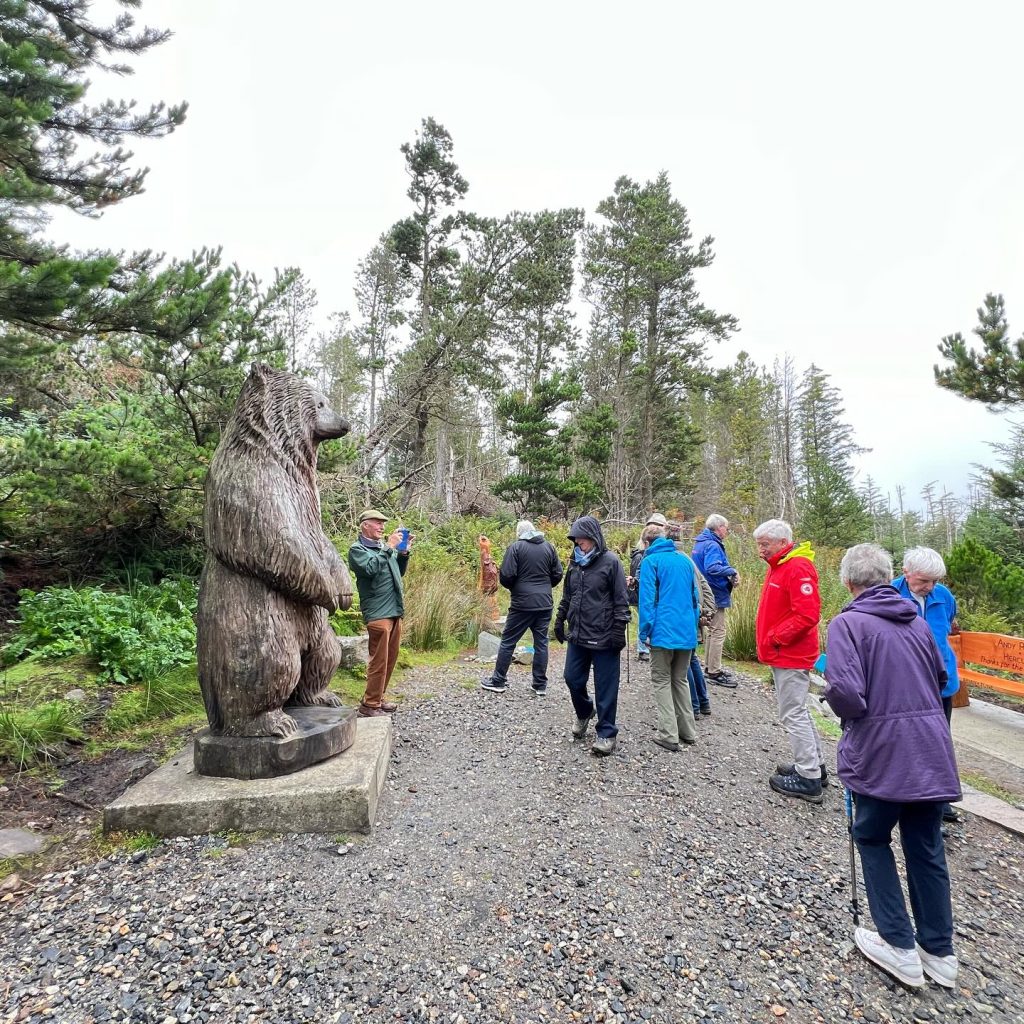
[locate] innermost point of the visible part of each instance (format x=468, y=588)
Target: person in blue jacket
x=711, y=559
x=669, y=613
x=922, y=570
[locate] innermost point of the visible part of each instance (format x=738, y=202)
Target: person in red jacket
x=787, y=641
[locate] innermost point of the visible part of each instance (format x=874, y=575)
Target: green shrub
x=986, y=583
x=31, y=735
x=130, y=636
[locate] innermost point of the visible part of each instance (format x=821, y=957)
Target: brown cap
x=372, y=513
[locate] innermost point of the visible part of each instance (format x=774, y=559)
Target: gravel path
x=513, y=877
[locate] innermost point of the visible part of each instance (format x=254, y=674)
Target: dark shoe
x=797, y=786
x=540, y=691
x=667, y=745
x=790, y=769
x=722, y=679
x=386, y=705
x=579, y=726
x=951, y=815
x=603, y=746
x=689, y=743
x=696, y=714
x=705, y=710
x=489, y=684
x=365, y=711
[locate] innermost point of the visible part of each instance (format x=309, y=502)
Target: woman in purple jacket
x=885, y=677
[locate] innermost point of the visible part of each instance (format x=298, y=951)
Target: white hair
x=926, y=561
x=651, y=533
x=523, y=527
x=866, y=565
x=774, y=529
x=715, y=521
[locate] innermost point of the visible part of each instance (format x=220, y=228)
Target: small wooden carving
x=488, y=582
x=271, y=575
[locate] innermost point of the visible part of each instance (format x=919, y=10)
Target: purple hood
x=885, y=676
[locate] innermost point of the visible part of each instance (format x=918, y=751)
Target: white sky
x=858, y=165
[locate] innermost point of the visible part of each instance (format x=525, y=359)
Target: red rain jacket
x=789, y=610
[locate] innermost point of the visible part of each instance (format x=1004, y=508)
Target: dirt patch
x=999, y=699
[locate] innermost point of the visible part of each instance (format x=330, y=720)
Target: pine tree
x=639, y=267
x=995, y=374
x=58, y=151
x=831, y=511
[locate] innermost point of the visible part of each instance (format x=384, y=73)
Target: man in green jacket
x=378, y=568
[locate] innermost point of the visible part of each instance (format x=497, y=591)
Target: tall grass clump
x=439, y=608
x=32, y=735
x=166, y=696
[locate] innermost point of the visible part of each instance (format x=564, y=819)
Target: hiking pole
x=854, y=906
x=628, y=621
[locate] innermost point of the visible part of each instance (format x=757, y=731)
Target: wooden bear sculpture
x=271, y=575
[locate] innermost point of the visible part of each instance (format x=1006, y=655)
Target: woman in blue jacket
x=922, y=570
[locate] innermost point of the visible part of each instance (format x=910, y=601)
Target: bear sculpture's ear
x=260, y=370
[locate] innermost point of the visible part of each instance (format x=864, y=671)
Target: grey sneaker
x=490, y=684
x=941, y=969
x=603, y=746
x=902, y=964
x=579, y=726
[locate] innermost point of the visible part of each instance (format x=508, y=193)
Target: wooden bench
x=991, y=651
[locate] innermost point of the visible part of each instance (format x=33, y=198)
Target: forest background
x=542, y=363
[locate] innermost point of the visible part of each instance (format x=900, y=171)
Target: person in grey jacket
x=530, y=570
x=884, y=680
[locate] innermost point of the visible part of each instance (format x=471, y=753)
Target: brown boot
x=367, y=712
x=386, y=705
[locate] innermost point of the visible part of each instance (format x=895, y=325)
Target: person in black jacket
x=592, y=616
x=530, y=569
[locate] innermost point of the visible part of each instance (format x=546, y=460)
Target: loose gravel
x=514, y=877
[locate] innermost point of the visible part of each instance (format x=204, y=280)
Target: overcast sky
x=861, y=167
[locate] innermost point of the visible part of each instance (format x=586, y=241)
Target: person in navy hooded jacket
x=592, y=616
x=884, y=679
x=922, y=570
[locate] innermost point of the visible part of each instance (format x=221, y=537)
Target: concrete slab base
x=337, y=795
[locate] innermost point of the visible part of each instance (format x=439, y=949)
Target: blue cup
x=403, y=544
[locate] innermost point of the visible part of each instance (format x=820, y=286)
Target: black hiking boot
x=797, y=786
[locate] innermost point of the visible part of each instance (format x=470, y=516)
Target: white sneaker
x=902, y=964
x=941, y=969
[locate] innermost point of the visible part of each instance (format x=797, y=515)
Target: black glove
x=618, y=636
x=560, y=630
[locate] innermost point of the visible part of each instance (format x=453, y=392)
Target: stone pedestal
x=337, y=795
x=323, y=732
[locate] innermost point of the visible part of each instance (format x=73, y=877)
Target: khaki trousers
x=715, y=642
x=672, y=695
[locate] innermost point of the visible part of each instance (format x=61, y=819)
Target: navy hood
x=589, y=527
x=885, y=602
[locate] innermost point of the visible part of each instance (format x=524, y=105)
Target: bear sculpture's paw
x=273, y=723
x=323, y=699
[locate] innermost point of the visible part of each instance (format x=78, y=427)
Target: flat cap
x=372, y=513
x=656, y=519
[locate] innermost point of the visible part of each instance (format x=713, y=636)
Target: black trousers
x=517, y=623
